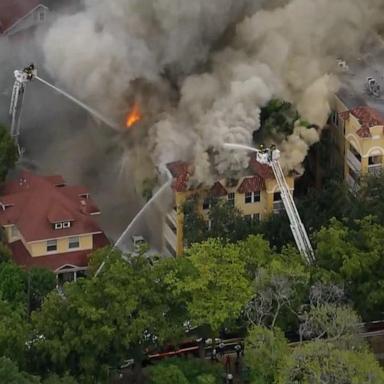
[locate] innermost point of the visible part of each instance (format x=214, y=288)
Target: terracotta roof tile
x=251, y=184
x=218, y=190
x=181, y=172
x=344, y=115
x=263, y=170
x=37, y=202
x=368, y=118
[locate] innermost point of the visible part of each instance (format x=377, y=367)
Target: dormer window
x=62, y=225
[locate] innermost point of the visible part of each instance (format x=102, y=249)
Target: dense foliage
x=8, y=152
x=91, y=327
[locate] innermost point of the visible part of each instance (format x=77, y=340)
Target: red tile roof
x=218, y=190
x=344, y=115
x=13, y=10
x=181, y=171
x=263, y=170
x=35, y=202
x=367, y=117
x=251, y=184
x=53, y=262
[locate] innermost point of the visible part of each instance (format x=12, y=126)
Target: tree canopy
x=8, y=152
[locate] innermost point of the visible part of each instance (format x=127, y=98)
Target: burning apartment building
x=256, y=195
x=201, y=83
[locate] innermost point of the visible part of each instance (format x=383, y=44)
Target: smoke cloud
x=202, y=70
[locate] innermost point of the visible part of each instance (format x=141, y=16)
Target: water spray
x=22, y=78
x=164, y=171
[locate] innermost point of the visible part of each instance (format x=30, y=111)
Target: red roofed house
x=255, y=195
x=21, y=15
x=49, y=224
x=358, y=136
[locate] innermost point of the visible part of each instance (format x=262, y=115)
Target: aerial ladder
x=22, y=78
x=270, y=156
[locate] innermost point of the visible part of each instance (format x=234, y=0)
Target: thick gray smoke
x=208, y=67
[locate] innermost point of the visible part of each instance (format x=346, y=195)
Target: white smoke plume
x=216, y=62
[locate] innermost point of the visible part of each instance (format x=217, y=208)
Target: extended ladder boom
x=297, y=227
x=270, y=156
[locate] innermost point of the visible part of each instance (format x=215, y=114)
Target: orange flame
x=134, y=116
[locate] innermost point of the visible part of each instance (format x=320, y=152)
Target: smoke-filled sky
x=201, y=69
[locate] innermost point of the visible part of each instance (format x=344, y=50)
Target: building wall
x=264, y=208
x=345, y=135
x=40, y=248
x=35, y=18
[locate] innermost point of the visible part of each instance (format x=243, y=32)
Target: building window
x=252, y=197
x=276, y=196
x=254, y=217
x=231, y=199
x=66, y=224
x=58, y=225
x=74, y=242
x=51, y=245
x=206, y=204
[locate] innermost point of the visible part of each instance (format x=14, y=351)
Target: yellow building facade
x=255, y=196
x=38, y=248
x=358, y=135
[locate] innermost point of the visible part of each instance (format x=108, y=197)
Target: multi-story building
x=255, y=195
x=358, y=136
x=49, y=224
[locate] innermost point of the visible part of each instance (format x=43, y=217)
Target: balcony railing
x=353, y=161
x=375, y=169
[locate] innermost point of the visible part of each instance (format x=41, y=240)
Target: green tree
x=264, y=351
x=277, y=120
x=99, y=322
x=8, y=152
x=218, y=284
x=169, y=374
x=54, y=379
x=338, y=323
x=227, y=223
x=194, y=371
x=353, y=256
x=10, y=374
x=41, y=282
x=319, y=362
x=14, y=332
x=5, y=253
x=279, y=289
x=12, y=284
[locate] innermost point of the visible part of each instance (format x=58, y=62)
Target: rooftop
x=182, y=171
x=13, y=10
x=33, y=203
